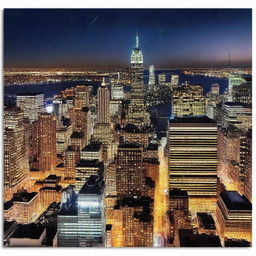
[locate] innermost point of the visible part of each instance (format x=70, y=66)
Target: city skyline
x=103, y=37
x=111, y=157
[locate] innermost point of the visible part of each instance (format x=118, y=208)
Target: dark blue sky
x=105, y=37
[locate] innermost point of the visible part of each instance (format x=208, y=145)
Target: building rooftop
x=56, y=188
x=90, y=163
x=77, y=135
x=178, y=193
x=94, y=185
x=192, y=119
x=28, y=94
x=234, y=201
x=129, y=145
x=94, y=146
x=206, y=221
x=24, y=197
x=237, y=243
x=8, y=205
x=189, y=239
x=32, y=231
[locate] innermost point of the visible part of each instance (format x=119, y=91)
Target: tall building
x=233, y=81
x=188, y=100
x=129, y=173
x=234, y=216
x=152, y=79
x=81, y=219
x=103, y=98
x=175, y=80
x=136, y=111
x=85, y=169
x=162, y=78
x=82, y=96
x=91, y=213
x=193, y=160
x=47, y=142
x=137, y=65
x=16, y=155
x=215, y=89
x=137, y=221
x=31, y=104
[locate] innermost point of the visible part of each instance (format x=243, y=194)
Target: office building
x=193, y=160
x=152, y=79
x=234, y=216
x=129, y=173
x=161, y=78
x=103, y=98
x=31, y=104
x=16, y=154
x=188, y=100
x=174, y=80
x=47, y=143
x=86, y=168
x=233, y=81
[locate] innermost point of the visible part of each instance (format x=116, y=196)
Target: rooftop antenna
x=137, y=39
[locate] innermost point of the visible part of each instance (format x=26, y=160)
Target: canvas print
x=127, y=128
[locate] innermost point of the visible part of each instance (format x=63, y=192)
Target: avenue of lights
x=103, y=167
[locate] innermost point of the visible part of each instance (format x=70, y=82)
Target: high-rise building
x=129, y=173
x=47, y=142
x=117, y=92
x=82, y=96
x=85, y=169
x=188, y=100
x=137, y=221
x=31, y=104
x=152, y=79
x=137, y=112
x=193, y=160
x=162, y=78
x=16, y=154
x=103, y=98
x=91, y=220
x=81, y=219
x=215, y=89
x=175, y=80
x=233, y=81
x=234, y=216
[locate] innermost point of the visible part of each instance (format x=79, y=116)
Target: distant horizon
x=102, y=38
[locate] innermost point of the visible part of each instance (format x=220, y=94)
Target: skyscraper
x=152, y=79
x=137, y=112
x=103, y=103
x=47, y=142
x=233, y=81
x=91, y=221
x=16, y=157
x=188, y=100
x=31, y=104
x=193, y=160
x=129, y=173
x=175, y=80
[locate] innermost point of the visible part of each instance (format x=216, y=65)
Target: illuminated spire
x=137, y=39
x=103, y=84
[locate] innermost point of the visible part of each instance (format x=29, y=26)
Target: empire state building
x=137, y=112
x=137, y=63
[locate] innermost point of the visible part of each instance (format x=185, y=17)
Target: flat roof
x=234, y=201
x=192, y=120
x=32, y=231
x=94, y=185
x=24, y=197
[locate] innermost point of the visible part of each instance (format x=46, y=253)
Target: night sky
x=105, y=37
